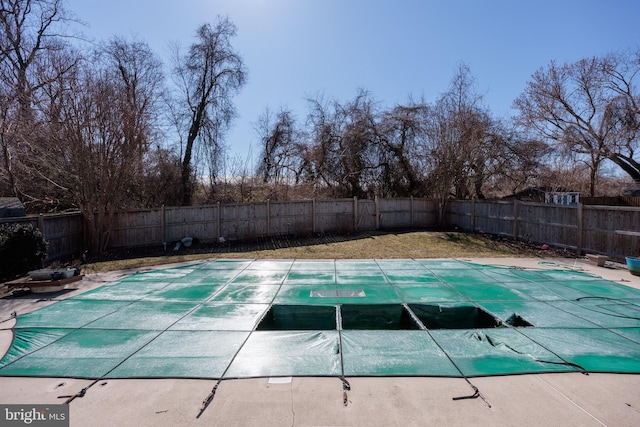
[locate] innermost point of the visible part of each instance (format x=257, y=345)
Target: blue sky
x=295, y=49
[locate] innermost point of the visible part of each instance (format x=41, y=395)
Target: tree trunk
x=9, y=170
x=186, y=162
x=186, y=180
x=629, y=165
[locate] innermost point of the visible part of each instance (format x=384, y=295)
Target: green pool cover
x=260, y=318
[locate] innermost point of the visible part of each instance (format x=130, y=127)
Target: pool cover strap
x=12, y=316
x=476, y=391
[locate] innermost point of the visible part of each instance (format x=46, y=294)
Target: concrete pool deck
x=549, y=399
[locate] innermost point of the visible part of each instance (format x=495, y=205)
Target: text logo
x=34, y=415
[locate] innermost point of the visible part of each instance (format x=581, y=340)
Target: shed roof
x=11, y=207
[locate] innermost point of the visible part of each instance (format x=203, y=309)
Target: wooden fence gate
x=366, y=215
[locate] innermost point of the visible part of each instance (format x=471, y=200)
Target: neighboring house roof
x=537, y=193
x=11, y=207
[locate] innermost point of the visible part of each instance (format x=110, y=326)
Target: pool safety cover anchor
x=81, y=393
x=209, y=398
x=476, y=394
x=345, y=387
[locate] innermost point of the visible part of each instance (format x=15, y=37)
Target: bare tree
x=208, y=76
x=344, y=142
x=281, y=157
x=161, y=181
x=461, y=141
x=43, y=175
x=464, y=152
x=623, y=111
x=101, y=123
x=321, y=159
x=401, y=132
x=92, y=140
x=519, y=162
x=29, y=30
x=30, y=40
x=138, y=73
x=237, y=183
x=588, y=108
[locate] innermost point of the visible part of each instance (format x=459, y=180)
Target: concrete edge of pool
x=553, y=399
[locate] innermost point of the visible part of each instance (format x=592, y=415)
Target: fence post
x=580, y=230
x=269, y=218
x=473, y=215
x=44, y=237
x=313, y=214
x=376, y=202
x=411, y=212
x=355, y=213
x=219, y=225
x=516, y=214
x=163, y=227
x=41, y=226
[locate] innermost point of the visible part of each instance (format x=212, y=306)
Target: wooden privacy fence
x=63, y=232
x=271, y=218
x=608, y=230
x=612, y=201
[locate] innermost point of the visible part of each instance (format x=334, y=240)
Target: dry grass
x=416, y=244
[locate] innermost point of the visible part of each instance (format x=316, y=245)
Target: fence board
x=395, y=213
x=130, y=227
x=291, y=218
x=555, y=225
x=494, y=217
x=65, y=235
x=424, y=213
x=334, y=216
x=461, y=214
